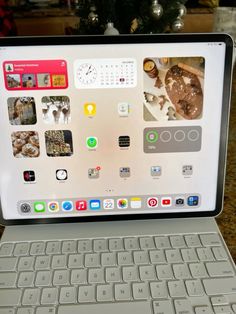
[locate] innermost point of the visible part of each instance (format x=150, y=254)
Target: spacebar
x=108, y=308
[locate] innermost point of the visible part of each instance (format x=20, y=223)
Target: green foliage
x=123, y=12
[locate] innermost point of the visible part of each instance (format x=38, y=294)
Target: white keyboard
x=176, y=274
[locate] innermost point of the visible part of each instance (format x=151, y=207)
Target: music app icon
x=81, y=205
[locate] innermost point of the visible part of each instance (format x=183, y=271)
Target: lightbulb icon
x=90, y=109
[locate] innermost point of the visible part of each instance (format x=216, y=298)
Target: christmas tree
x=131, y=16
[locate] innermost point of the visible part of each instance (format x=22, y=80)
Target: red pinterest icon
x=152, y=202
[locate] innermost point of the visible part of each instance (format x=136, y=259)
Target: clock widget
x=61, y=174
x=86, y=73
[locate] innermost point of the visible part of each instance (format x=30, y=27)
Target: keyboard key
x=108, y=259
x=164, y=272
x=7, y=280
x=234, y=307
x=220, y=286
x=100, y=245
x=75, y=261
x=140, y=291
x=125, y=258
x=219, y=300
x=181, y=271
x=205, y=254
x=26, y=279
x=189, y=255
x=84, y=246
x=78, y=276
x=130, y=273
x=116, y=245
x=194, y=288
x=96, y=275
x=113, y=274
x=220, y=253
x=141, y=257
x=183, y=306
x=42, y=262
x=211, y=239
x=8, y=263
x=198, y=270
x=43, y=278
x=157, y=257
x=49, y=296
x=173, y=256
x=10, y=297
x=122, y=292
x=192, y=240
x=25, y=310
x=147, y=243
x=222, y=309
x=59, y=261
x=53, y=247
x=31, y=297
x=163, y=307
x=37, y=248
x=69, y=247
x=159, y=290
x=177, y=241
x=7, y=310
x=131, y=244
x=147, y=272
x=104, y=293
x=6, y=249
x=26, y=263
x=61, y=277
x=115, y=308
x=21, y=249
x=86, y=295
x=220, y=269
x=162, y=242
x=45, y=310
x=92, y=260
x=177, y=289
x=68, y=295
x=203, y=310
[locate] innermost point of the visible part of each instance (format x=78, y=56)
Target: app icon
x=123, y=109
x=152, y=136
x=39, y=207
x=108, y=204
x=90, y=109
x=93, y=173
x=80, y=205
x=25, y=208
x=166, y=202
x=122, y=203
x=179, y=201
x=152, y=202
x=95, y=204
x=187, y=170
x=61, y=174
x=53, y=206
x=135, y=202
x=29, y=175
x=124, y=141
x=193, y=200
x=91, y=142
x=67, y=206
x=124, y=172
x=156, y=171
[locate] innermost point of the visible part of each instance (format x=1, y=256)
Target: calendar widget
x=105, y=73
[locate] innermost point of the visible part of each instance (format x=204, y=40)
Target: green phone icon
x=39, y=207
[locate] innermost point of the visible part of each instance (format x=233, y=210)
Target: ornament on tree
x=156, y=10
x=110, y=29
x=178, y=24
x=93, y=16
